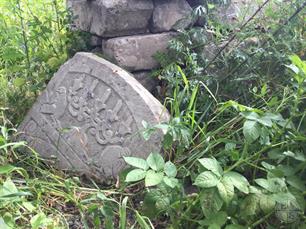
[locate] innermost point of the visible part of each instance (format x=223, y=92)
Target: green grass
x=234, y=147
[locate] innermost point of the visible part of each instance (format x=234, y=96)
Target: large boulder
x=90, y=117
x=136, y=53
x=167, y=13
x=112, y=18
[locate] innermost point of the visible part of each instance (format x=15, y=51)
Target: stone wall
x=130, y=32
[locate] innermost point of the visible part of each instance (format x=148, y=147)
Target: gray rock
x=169, y=12
x=112, y=18
x=90, y=116
x=195, y=3
x=95, y=41
x=146, y=80
x=236, y=11
x=135, y=53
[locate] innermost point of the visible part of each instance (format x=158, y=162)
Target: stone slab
x=111, y=18
x=146, y=80
x=90, y=116
x=167, y=13
x=135, y=53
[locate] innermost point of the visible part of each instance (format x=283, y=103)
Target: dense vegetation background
x=235, y=146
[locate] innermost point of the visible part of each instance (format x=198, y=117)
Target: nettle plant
x=154, y=171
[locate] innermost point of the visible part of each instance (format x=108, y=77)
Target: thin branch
x=234, y=36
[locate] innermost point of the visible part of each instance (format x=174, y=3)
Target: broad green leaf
x=218, y=218
x=156, y=161
x=226, y=190
x=108, y=213
x=6, y=169
x=171, y=182
x=250, y=205
x=29, y=206
x=3, y=225
x=285, y=198
x=251, y=130
x=214, y=226
x=137, y=162
x=239, y=181
x=206, y=179
x=273, y=185
x=266, y=203
x=8, y=188
x=162, y=203
x=170, y=169
x=9, y=220
x=211, y=202
x=163, y=127
x=40, y=220
x=296, y=182
x=135, y=175
x=211, y=164
x=235, y=226
x=265, y=120
x=250, y=115
x=153, y=178
x=18, y=82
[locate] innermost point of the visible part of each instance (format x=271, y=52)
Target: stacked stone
x=130, y=32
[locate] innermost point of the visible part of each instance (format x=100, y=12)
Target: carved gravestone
x=90, y=116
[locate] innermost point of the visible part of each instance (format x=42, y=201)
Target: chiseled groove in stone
x=91, y=113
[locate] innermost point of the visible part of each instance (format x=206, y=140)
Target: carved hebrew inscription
x=85, y=114
x=89, y=118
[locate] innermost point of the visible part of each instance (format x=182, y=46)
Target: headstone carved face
x=89, y=118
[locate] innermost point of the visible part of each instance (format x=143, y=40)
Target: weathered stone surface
x=168, y=12
x=195, y=3
x=95, y=41
x=112, y=18
x=236, y=11
x=89, y=117
x=136, y=52
x=146, y=80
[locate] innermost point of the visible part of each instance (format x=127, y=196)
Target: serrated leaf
x=153, y=178
x=137, y=162
x=211, y=164
x=206, y=179
x=156, y=161
x=239, y=181
x=170, y=169
x=135, y=175
x=251, y=130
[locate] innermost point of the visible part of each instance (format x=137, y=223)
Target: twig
x=234, y=36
